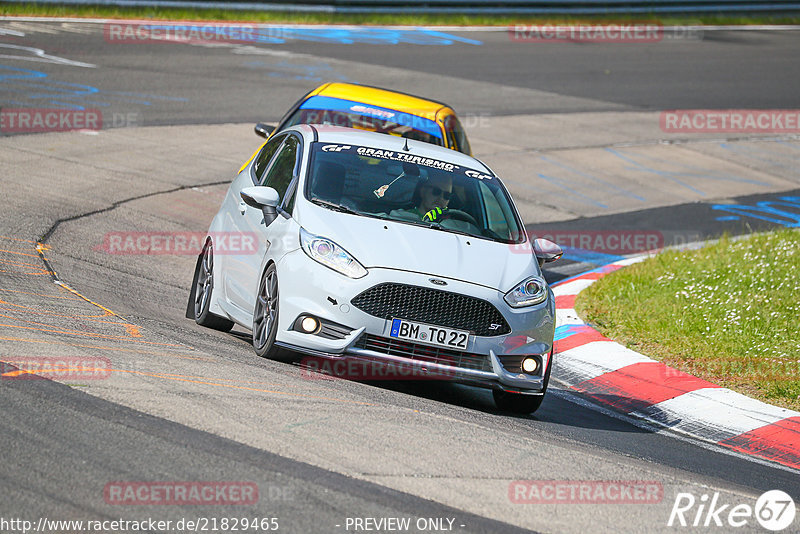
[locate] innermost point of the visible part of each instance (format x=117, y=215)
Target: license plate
x=429, y=334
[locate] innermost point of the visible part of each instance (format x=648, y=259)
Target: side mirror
x=264, y=198
x=546, y=251
x=264, y=130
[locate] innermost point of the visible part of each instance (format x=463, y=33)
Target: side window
x=263, y=157
x=456, y=135
x=280, y=172
x=498, y=213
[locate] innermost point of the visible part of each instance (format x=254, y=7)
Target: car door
x=279, y=174
x=234, y=266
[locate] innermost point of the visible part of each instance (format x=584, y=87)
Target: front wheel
x=519, y=403
x=203, y=286
x=265, y=315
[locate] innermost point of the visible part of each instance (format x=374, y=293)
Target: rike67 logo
x=774, y=510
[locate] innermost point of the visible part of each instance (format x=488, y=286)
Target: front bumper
x=306, y=287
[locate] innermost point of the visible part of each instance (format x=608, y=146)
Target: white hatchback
x=368, y=247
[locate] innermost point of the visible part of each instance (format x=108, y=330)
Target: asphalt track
x=186, y=404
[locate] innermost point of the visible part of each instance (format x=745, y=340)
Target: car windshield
x=327, y=110
x=403, y=187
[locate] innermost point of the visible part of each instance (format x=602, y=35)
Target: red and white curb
x=613, y=376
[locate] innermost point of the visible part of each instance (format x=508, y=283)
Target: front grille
x=433, y=306
x=425, y=353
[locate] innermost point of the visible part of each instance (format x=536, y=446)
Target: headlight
x=531, y=291
x=331, y=255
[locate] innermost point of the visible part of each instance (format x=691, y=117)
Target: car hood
x=394, y=245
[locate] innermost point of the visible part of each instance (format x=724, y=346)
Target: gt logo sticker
x=335, y=148
x=476, y=174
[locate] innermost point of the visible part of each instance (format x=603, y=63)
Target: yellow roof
x=381, y=97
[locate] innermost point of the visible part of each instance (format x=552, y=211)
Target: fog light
x=309, y=325
x=529, y=365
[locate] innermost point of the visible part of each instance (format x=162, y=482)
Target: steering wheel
x=457, y=215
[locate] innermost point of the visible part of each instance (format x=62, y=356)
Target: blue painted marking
x=773, y=211
x=728, y=218
x=592, y=177
x=673, y=175
x=590, y=256
x=347, y=106
x=419, y=36
x=280, y=35
x=749, y=152
x=36, y=86
x=23, y=73
x=667, y=174
x=566, y=330
x=790, y=145
x=557, y=182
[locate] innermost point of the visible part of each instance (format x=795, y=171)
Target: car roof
x=326, y=133
x=381, y=97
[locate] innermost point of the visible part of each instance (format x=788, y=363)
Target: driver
x=432, y=197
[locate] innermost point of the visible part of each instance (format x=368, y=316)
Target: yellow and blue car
x=376, y=110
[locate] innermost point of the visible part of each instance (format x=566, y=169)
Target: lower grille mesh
x=425, y=353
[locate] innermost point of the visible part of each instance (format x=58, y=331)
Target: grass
x=110, y=12
x=728, y=313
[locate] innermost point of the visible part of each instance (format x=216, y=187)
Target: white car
x=349, y=264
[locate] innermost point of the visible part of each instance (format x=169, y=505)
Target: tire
x=265, y=316
x=203, y=286
x=519, y=403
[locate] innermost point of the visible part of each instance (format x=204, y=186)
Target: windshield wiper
x=334, y=206
x=438, y=226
